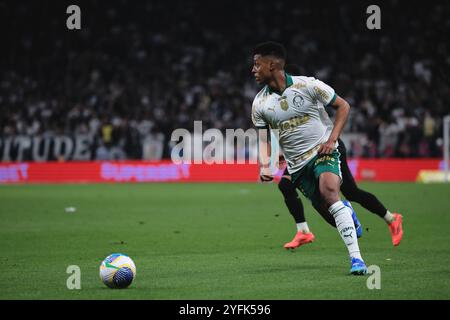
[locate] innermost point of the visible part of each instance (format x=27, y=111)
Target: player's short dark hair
x=271, y=48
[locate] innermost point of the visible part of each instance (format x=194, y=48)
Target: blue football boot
x=358, y=267
x=358, y=226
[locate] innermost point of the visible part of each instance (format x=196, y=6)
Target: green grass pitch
x=214, y=241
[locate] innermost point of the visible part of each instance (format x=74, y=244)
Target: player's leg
x=329, y=190
x=306, y=183
x=327, y=170
x=367, y=200
x=323, y=211
x=295, y=207
x=293, y=202
x=351, y=191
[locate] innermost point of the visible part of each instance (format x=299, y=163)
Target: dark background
x=140, y=69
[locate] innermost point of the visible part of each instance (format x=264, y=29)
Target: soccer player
x=294, y=106
x=350, y=191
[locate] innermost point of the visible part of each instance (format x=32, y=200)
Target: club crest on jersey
x=283, y=103
x=298, y=101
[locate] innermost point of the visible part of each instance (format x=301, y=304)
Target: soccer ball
x=117, y=271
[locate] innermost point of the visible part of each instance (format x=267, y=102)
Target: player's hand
x=266, y=178
x=327, y=147
x=266, y=174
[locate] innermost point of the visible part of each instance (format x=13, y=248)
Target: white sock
x=303, y=227
x=346, y=228
x=389, y=217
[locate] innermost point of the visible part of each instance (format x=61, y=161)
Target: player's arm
x=264, y=150
x=342, y=109
x=325, y=94
x=264, y=153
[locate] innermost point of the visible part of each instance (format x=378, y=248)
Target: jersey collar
x=289, y=82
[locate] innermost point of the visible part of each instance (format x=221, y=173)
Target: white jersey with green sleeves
x=299, y=115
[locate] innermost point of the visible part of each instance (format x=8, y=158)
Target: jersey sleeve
x=322, y=92
x=258, y=118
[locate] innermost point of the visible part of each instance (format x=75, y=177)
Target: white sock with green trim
x=344, y=223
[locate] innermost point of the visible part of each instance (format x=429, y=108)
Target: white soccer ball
x=117, y=271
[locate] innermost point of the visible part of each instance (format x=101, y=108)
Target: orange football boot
x=396, y=229
x=300, y=239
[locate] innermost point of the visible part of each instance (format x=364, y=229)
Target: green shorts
x=307, y=178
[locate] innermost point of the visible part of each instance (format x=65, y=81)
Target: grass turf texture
x=214, y=241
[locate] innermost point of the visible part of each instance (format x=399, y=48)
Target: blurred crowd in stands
x=137, y=70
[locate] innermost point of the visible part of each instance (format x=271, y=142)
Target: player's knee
x=330, y=194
